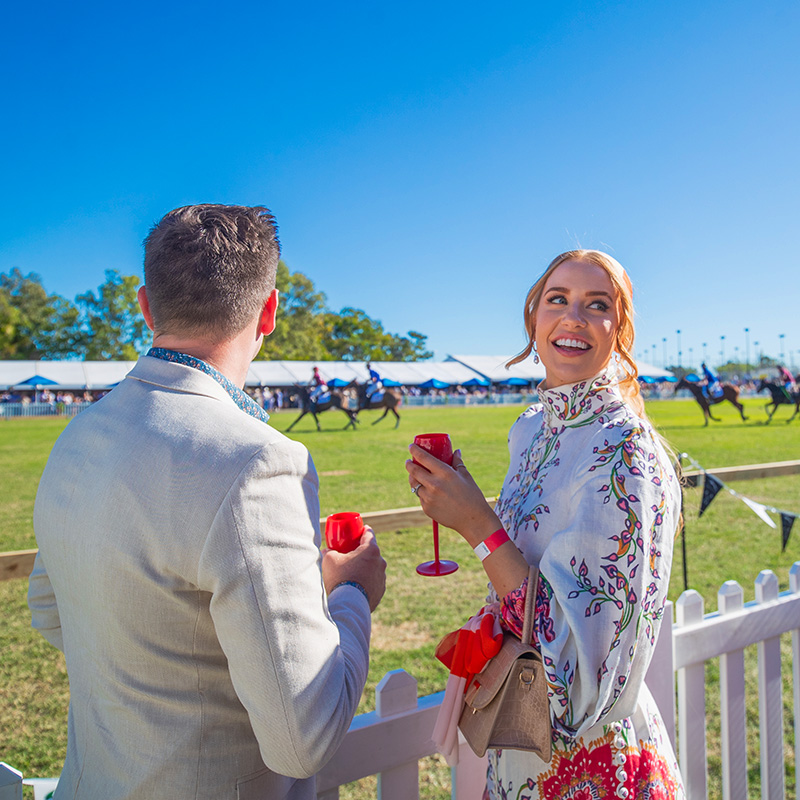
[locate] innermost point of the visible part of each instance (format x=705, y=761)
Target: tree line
x=107, y=324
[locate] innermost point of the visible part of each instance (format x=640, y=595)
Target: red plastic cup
x=437, y=444
x=343, y=531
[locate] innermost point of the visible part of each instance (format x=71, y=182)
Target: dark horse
x=388, y=402
x=779, y=398
x=334, y=400
x=729, y=393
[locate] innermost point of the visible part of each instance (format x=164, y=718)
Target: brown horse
x=388, y=402
x=729, y=393
x=334, y=400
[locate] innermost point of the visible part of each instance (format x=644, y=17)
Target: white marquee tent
x=99, y=375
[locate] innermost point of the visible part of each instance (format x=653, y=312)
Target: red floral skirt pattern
x=592, y=772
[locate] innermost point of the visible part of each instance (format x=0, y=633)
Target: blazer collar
x=177, y=377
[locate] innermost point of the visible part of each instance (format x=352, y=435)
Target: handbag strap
x=530, y=600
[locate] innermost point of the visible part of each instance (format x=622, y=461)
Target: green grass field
x=364, y=471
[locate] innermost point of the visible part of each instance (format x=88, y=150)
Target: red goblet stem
x=435, y=542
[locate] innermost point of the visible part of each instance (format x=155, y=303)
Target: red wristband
x=491, y=543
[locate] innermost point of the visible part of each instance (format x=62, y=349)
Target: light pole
x=747, y=347
x=705, y=356
x=691, y=358
x=721, y=350
x=758, y=358
x=781, y=337
x=680, y=354
x=654, y=355
x=664, y=346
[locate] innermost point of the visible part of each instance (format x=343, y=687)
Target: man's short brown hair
x=209, y=269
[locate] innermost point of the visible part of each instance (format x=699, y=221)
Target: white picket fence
x=390, y=741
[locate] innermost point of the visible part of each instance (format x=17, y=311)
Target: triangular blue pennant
x=711, y=487
x=787, y=520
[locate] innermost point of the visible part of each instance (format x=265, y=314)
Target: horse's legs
x=316, y=419
x=741, y=410
x=385, y=412
x=296, y=421
x=397, y=424
x=351, y=418
x=796, y=409
x=770, y=413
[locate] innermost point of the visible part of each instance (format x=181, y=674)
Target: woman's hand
x=450, y=495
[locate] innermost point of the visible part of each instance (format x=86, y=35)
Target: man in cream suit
x=212, y=652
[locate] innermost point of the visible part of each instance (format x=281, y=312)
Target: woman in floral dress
x=590, y=498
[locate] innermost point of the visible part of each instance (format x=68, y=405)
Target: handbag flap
x=485, y=685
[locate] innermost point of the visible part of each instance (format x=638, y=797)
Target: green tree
x=111, y=325
x=354, y=336
x=306, y=330
x=300, y=325
x=34, y=324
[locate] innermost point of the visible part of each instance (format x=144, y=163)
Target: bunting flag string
x=712, y=485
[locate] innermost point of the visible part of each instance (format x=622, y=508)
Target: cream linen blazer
x=179, y=571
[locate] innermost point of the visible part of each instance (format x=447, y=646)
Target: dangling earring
x=535, y=354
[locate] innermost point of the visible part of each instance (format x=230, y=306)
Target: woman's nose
x=573, y=314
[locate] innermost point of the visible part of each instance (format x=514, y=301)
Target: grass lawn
x=364, y=471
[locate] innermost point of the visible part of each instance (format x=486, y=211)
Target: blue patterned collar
x=242, y=400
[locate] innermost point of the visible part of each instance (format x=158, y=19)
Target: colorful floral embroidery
x=590, y=497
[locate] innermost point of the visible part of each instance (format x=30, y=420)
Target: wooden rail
x=19, y=563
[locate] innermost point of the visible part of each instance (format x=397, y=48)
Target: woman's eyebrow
x=599, y=294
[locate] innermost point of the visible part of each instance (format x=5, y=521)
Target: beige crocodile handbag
x=506, y=705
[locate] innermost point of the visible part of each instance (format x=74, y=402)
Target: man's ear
x=144, y=304
x=267, y=322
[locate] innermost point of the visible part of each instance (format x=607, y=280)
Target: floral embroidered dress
x=591, y=497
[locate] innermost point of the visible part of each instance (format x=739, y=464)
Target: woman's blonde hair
x=623, y=346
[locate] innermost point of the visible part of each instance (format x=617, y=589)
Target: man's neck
x=231, y=357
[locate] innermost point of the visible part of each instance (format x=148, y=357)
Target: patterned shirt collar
x=242, y=400
x=576, y=404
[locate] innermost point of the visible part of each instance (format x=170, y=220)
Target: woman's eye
x=557, y=299
x=599, y=305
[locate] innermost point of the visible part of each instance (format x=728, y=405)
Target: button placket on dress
x=620, y=759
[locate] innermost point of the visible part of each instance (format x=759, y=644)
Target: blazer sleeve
x=604, y=580
x=43, y=606
x=297, y=665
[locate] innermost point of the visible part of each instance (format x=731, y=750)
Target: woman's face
x=576, y=322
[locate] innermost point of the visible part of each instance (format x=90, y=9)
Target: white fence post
x=468, y=777
x=794, y=586
x=770, y=698
x=10, y=783
x=692, y=706
x=396, y=692
x=730, y=600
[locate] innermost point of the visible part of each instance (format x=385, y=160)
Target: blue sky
x=425, y=161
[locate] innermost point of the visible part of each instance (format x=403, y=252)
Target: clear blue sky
x=425, y=161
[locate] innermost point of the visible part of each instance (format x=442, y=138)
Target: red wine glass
x=439, y=446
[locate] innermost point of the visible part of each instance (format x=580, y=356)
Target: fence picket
x=794, y=586
x=692, y=706
x=396, y=693
x=770, y=700
x=730, y=599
